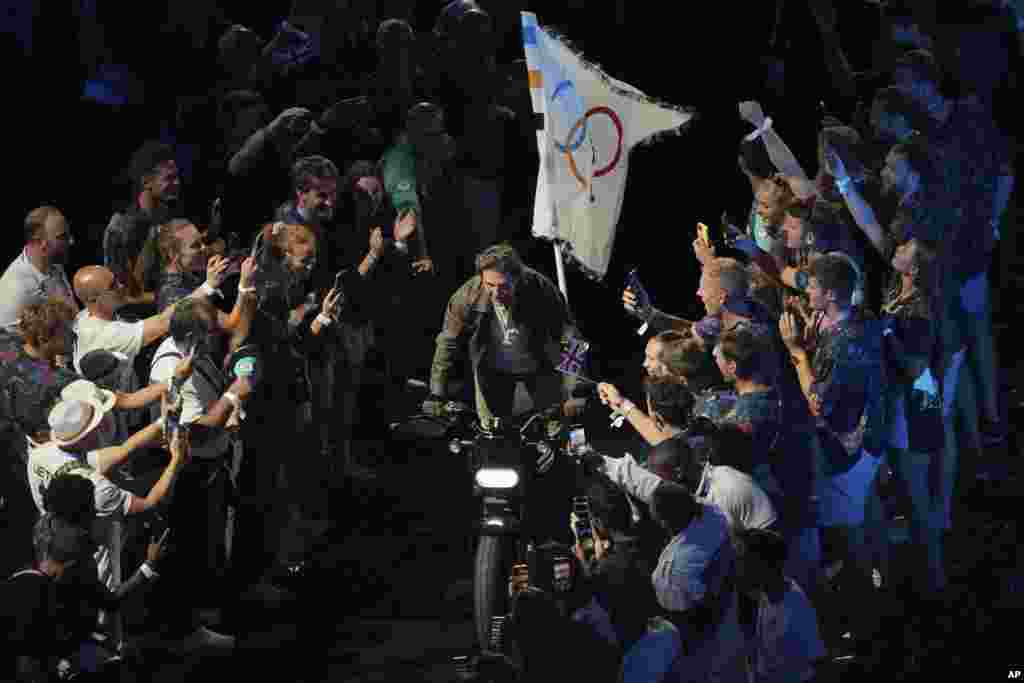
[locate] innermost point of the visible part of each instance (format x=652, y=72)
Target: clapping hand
x=789, y=330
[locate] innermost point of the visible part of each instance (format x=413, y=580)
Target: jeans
x=508, y=396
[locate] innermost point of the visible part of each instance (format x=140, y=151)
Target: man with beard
x=511, y=320
x=156, y=195
x=38, y=272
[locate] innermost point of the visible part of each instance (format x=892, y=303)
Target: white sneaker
x=207, y=641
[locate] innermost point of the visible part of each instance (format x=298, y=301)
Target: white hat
x=80, y=410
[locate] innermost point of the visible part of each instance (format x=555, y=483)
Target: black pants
x=192, y=573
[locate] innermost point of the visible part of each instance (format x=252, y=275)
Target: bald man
x=102, y=294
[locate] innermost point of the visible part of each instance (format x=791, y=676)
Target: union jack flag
x=574, y=357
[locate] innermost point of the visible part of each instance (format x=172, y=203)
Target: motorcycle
x=527, y=474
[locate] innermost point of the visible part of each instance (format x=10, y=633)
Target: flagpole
x=560, y=268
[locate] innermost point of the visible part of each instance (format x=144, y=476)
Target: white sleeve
x=111, y=500
x=16, y=292
x=192, y=407
x=163, y=368
x=627, y=473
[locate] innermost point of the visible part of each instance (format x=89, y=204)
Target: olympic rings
x=568, y=148
x=618, y=147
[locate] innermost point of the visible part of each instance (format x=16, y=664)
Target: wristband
x=147, y=570
x=206, y=289
x=759, y=131
x=246, y=290
x=324, y=320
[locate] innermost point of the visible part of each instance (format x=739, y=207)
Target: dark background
x=69, y=151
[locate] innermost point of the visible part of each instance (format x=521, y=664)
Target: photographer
x=619, y=573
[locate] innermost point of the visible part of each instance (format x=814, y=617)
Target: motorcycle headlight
x=497, y=478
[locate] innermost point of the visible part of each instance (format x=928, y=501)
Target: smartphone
x=581, y=528
x=643, y=299
x=577, y=440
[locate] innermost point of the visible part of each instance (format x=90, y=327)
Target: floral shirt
x=30, y=388
x=846, y=394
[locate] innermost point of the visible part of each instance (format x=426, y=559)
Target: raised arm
x=780, y=154
x=863, y=214
x=106, y=459
x=163, y=486
x=627, y=474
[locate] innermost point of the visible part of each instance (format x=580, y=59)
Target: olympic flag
x=587, y=124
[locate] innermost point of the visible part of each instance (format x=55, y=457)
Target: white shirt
x=112, y=502
x=122, y=339
x=22, y=284
x=193, y=405
x=744, y=503
x=736, y=494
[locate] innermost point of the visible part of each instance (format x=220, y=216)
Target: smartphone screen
x=577, y=440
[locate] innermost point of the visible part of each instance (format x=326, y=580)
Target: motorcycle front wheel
x=494, y=558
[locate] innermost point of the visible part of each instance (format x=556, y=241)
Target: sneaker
x=205, y=641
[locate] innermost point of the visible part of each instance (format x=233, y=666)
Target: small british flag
x=574, y=357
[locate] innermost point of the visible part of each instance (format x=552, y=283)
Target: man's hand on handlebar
x=438, y=406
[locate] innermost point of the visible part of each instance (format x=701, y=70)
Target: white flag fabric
x=587, y=124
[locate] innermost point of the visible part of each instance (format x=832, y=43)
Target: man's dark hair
x=356, y=170
x=146, y=160
x=609, y=507
x=71, y=497
x=502, y=258
x=755, y=158
x=187, y=322
x=674, y=507
x=732, y=447
x=834, y=274
x=57, y=539
x=749, y=351
x=670, y=398
x=767, y=546
x=312, y=168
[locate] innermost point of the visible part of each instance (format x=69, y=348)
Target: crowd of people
x=846, y=352
x=843, y=377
